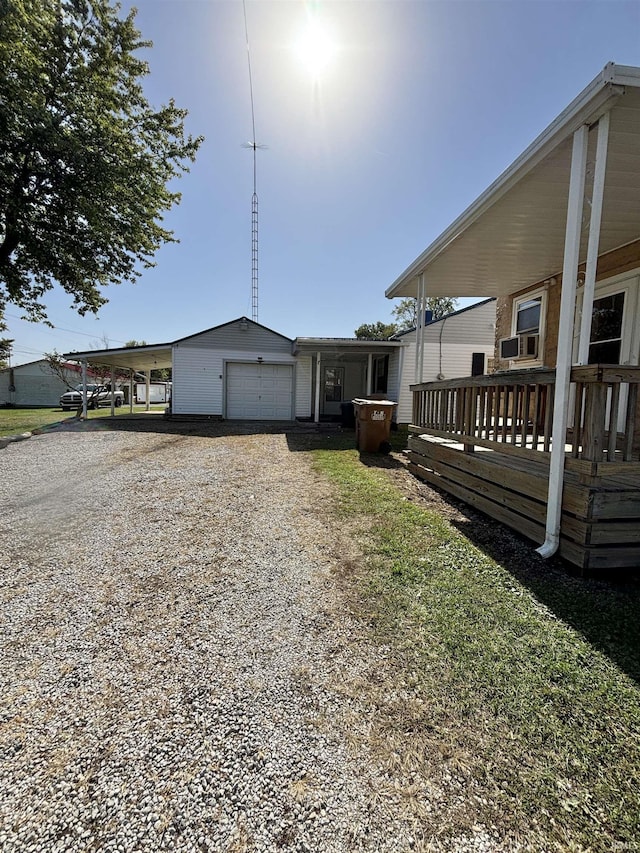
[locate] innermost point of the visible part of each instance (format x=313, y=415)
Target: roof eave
x=586, y=108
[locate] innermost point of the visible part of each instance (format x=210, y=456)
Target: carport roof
x=513, y=234
x=148, y=357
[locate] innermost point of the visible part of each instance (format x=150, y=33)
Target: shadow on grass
x=605, y=610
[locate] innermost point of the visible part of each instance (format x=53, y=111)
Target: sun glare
x=315, y=49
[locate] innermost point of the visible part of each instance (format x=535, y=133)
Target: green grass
x=15, y=421
x=529, y=678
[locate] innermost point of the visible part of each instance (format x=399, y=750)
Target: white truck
x=97, y=395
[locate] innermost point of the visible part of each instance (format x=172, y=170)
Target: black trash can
x=347, y=415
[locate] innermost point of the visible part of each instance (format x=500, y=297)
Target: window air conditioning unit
x=519, y=347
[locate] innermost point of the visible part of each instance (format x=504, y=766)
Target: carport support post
x=84, y=388
x=317, y=400
x=148, y=387
x=113, y=392
x=565, y=342
x=369, y=374
x=130, y=390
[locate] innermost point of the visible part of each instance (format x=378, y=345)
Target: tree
x=85, y=161
x=376, y=331
x=405, y=310
x=5, y=347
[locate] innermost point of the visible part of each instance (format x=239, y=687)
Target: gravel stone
x=173, y=655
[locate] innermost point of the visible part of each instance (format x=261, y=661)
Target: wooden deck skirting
x=487, y=441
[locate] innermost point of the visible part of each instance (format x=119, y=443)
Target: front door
x=332, y=390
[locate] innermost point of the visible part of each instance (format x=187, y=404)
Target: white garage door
x=259, y=391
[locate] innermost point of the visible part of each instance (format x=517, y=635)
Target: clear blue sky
x=423, y=106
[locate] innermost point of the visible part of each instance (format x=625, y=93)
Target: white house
x=459, y=344
x=242, y=370
x=33, y=384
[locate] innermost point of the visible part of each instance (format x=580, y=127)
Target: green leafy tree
x=405, y=310
x=85, y=161
x=5, y=346
x=376, y=331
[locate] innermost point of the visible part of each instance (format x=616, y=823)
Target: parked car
x=97, y=395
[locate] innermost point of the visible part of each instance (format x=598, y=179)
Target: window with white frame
x=529, y=319
x=528, y=316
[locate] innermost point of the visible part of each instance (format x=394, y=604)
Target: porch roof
x=148, y=357
x=344, y=345
x=513, y=235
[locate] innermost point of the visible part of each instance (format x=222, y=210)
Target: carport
x=142, y=359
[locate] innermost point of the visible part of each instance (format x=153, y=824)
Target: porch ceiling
x=513, y=235
x=135, y=358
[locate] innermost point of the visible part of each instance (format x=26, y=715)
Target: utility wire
x=62, y=329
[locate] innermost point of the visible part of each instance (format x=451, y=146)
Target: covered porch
x=344, y=368
x=548, y=444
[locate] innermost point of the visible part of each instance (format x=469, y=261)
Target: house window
x=606, y=329
x=528, y=313
x=333, y=384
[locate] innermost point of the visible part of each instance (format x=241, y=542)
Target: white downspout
x=594, y=239
x=317, y=400
x=565, y=324
x=84, y=389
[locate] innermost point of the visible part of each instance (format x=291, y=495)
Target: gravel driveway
x=173, y=653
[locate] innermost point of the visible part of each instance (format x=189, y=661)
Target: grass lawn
x=15, y=421
x=523, y=685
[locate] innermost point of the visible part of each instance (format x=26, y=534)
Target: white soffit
x=513, y=235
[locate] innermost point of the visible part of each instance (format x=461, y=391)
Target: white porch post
x=147, y=407
x=130, y=390
x=594, y=239
x=317, y=400
x=565, y=341
x=369, y=374
x=420, y=309
x=84, y=388
x=113, y=392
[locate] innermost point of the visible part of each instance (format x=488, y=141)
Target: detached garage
x=240, y=371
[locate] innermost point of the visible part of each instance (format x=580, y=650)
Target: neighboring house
x=556, y=239
x=34, y=384
x=458, y=344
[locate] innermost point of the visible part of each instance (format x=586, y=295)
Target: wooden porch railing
x=513, y=411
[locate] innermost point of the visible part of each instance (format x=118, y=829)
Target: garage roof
x=513, y=234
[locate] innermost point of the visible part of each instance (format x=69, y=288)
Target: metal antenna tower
x=254, y=198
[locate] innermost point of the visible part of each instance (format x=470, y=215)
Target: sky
x=419, y=108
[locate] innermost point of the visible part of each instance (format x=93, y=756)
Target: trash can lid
x=361, y=402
